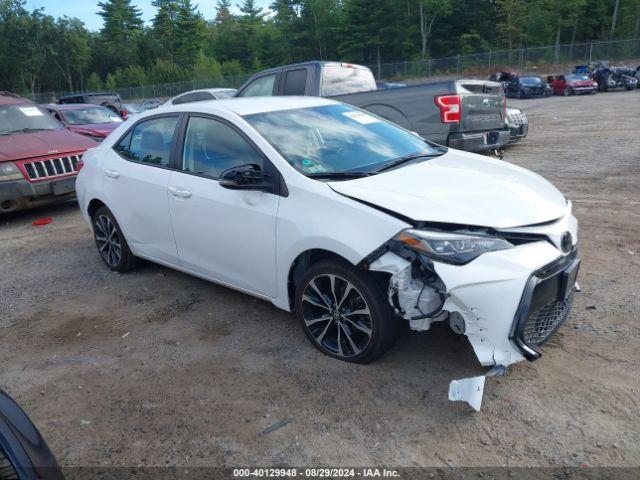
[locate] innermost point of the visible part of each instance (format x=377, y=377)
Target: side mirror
x=244, y=177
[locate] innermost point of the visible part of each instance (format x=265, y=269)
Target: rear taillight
x=79, y=165
x=449, y=106
x=123, y=114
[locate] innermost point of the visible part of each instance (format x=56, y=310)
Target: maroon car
x=573, y=84
x=93, y=121
x=39, y=158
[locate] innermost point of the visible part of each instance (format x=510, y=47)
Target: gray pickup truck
x=463, y=114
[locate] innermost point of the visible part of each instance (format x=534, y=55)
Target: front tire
x=112, y=245
x=566, y=92
x=345, y=312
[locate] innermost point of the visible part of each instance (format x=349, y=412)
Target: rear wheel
x=112, y=245
x=345, y=312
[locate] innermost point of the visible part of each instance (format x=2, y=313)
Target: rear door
x=137, y=175
x=482, y=105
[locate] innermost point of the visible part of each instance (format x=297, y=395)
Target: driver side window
x=211, y=147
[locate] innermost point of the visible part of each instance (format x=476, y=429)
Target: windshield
x=336, y=139
x=530, y=80
x=18, y=118
x=89, y=115
x=577, y=78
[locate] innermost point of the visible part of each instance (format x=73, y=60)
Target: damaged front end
x=506, y=293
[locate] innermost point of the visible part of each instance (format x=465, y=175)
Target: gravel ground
x=158, y=368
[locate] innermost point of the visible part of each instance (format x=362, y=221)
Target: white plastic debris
x=468, y=390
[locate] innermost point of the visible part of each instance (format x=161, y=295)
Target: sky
x=86, y=10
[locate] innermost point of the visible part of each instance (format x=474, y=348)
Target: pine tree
x=223, y=12
x=164, y=25
x=118, y=37
x=189, y=33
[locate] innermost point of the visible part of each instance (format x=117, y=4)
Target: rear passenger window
x=295, y=82
x=193, y=97
x=149, y=141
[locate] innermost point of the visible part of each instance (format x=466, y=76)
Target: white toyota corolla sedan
x=344, y=218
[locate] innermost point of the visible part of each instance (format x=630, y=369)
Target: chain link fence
x=541, y=60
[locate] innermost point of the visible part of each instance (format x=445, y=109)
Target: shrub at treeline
x=41, y=53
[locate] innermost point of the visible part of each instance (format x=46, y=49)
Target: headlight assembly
x=455, y=248
x=9, y=171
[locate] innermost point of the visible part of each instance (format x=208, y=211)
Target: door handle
x=179, y=192
x=111, y=173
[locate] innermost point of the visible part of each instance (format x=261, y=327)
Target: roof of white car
x=250, y=105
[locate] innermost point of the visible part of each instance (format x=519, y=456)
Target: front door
x=226, y=235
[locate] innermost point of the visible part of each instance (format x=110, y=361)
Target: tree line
x=41, y=53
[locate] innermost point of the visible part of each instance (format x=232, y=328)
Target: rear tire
x=344, y=311
x=111, y=243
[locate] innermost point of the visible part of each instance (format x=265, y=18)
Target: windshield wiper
x=404, y=159
x=331, y=175
x=26, y=130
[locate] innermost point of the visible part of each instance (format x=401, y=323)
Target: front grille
x=517, y=119
x=543, y=321
x=51, y=167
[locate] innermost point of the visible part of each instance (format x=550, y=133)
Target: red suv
x=39, y=158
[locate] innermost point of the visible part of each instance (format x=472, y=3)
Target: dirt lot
x=158, y=368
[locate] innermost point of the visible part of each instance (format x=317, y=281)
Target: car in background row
x=110, y=100
x=572, y=84
x=464, y=114
x=39, y=158
x=94, y=121
x=609, y=77
x=151, y=104
x=202, y=95
x=527, y=87
x=130, y=109
x=518, y=124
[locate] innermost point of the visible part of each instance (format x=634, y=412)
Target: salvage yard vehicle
x=463, y=114
x=347, y=219
x=573, y=84
x=110, y=100
x=202, y=95
x=608, y=77
x=94, y=121
x=518, y=124
x=39, y=158
x=527, y=87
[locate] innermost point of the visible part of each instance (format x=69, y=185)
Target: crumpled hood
x=37, y=144
x=462, y=188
